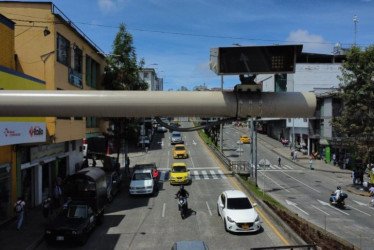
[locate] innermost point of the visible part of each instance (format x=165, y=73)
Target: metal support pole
x=255, y=128
x=221, y=125
x=251, y=154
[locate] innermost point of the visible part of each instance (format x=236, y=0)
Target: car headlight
x=48, y=231
x=132, y=188
x=257, y=219
x=230, y=220
x=173, y=177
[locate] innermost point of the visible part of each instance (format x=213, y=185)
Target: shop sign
x=324, y=142
x=42, y=151
x=22, y=132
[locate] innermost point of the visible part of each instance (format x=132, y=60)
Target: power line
x=186, y=34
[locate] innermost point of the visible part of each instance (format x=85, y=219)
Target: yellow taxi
x=179, y=174
x=180, y=151
x=245, y=139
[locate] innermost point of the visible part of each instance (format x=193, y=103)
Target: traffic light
x=254, y=59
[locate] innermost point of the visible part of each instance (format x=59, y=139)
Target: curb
x=357, y=193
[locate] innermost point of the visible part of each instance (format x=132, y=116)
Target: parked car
x=142, y=181
x=245, y=139
x=73, y=224
x=113, y=184
x=143, y=141
x=237, y=212
x=179, y=174
x=180, y=151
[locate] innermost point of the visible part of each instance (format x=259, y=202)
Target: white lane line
x=271, y=166
x=213, y=174
x=196, y=175
x=168, y=159
x=286, y=166
x=206, y=177
x=275, y=182
x=327, y=204
x=295, y=205
x=189, y=154
x=358, y=210
x=223, y=176
x=163, y=210
x=276, y=166
x=210, y=211
x=320, y=210
x=300, y=182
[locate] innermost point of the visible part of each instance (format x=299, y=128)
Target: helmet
x=182, y=187
x=338, y=187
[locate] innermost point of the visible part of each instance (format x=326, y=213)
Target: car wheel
x=225, y=225
x=218, y=211
x=83, y=239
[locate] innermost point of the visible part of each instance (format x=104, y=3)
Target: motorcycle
x=340, y=202
x=182, y=206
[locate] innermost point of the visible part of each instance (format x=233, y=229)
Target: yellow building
x=49, y=47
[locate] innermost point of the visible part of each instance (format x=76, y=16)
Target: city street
x=306, y=192
x=154, y=222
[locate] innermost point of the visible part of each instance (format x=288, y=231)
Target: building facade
x=52, y=52
x=149, y=76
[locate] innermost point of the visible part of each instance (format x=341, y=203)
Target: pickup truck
x=142, y=181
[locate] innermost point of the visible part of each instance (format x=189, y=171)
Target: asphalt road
x=306, y=193
x=154, y=222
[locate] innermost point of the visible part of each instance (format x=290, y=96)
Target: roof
x=235, y=194
x=180, y=164
x=91, y=173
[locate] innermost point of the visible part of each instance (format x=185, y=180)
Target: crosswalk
x=199, y=174
x=274, y=167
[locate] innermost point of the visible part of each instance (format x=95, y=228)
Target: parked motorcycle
x=340, y=202
x=182, y=206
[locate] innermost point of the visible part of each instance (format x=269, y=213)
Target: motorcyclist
x=336, y=195
x=183, y=193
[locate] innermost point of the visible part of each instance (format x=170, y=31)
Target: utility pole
x=355, y=21
x=221, y=125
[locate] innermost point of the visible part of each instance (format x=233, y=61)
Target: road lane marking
x=223, y=176
x=295, y=205
x=189, y=154
x=327, y=204
x=271, y=166
x=206, y=177
x=163, y=210
x=286, y=166
x=301, y=182
x=196, y=175
x=234, y=182
x=275, y=182
x=213, y=174
x=320, y=210
x=210, y=211
x=358, y=210
x=276, y=166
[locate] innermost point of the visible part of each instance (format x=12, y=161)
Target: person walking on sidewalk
x=19, y=208
x=279, y=161
x=311, y=163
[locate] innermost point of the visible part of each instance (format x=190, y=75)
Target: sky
x=175, y=36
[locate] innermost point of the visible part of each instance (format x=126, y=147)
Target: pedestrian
x=311, y=164
x=295, y=155
x=127, y=166
x=58, y=193
x=46, y=205
x=355, y=176
x=334, y=159
x=156, y=177
x=371, y=194
x=19, y=208
x=279, y=161
x=361, y=175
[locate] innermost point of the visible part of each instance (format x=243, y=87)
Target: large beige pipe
x=16, y=103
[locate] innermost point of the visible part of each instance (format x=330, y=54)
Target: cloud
x=110, y=5
x=311, y=42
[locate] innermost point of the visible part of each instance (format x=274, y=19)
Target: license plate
x=179, y=180
x=60, y=238
x=245, y=226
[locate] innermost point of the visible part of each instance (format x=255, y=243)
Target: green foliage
x=357, y=93
x=122, y=70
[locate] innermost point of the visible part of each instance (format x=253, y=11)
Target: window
x=145, y=74
x=91, y=69
x=63, y=46
x=91, y=122
x=77, y=59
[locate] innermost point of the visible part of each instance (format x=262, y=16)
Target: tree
x=357, y=92
x=122, y=73
x=122, y=70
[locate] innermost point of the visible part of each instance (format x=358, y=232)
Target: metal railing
x=309, y=246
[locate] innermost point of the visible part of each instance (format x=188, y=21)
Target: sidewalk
x=304, y=160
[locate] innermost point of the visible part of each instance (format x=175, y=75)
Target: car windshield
x=179, y=148
x=76, y=211
x=238, y=203
x=179, y=169
x=141, y=176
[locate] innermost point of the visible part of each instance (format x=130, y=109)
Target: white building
x=150, y=77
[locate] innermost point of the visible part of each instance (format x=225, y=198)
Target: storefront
x=5, y=191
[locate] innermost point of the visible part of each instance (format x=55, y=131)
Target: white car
x=142, y=182
x=237, y=212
